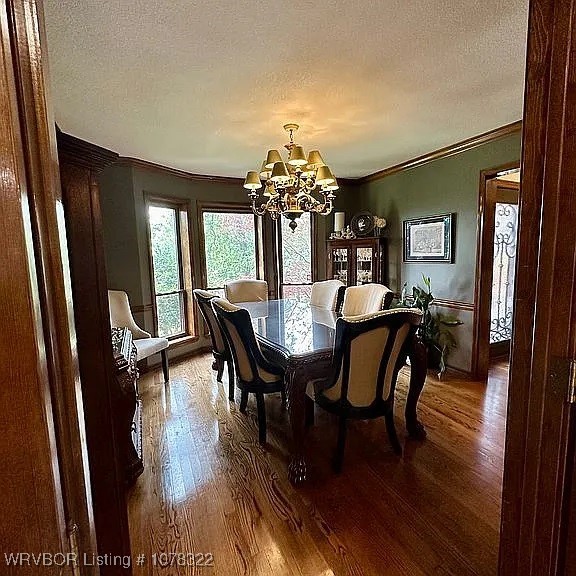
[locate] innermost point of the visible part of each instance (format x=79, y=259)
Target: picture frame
x=429, y=239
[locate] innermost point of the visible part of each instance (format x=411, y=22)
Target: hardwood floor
x=209, y=487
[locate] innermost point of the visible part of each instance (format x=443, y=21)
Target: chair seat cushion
x=268, y=377
x=147, y=346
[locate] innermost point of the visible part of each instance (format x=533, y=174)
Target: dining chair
x=325, y=294
x=146, y=345
x=369, y=351
x=366, y=299
x=254, y=373
x=246, y=291
x=220, y=348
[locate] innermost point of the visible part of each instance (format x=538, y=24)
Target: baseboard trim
x=459, y=372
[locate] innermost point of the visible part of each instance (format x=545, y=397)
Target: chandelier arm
x=324, y=207
x=259, y=211
x=311, y=183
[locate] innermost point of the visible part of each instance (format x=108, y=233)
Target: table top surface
x=295, y=325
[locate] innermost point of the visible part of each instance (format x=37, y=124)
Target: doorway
x=496, y=265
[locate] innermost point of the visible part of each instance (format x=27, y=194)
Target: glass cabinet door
x=364, y=264
x=340, y=264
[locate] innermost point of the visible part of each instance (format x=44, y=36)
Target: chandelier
x=301, y=184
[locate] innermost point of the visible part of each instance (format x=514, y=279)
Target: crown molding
x=84, y=153
x=451, y=150
x=145, y=165
x=152, y=167
x=349, y=181
x=81, y=153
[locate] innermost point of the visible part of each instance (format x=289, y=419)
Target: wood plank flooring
x=209, y=487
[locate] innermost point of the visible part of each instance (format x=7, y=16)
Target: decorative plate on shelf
x=362, y=223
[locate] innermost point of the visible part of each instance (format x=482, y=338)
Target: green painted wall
x=120, y=235
x=123, y=191
x=447, y=185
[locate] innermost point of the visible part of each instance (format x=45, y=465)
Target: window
x=171, y=269
x=230, y=247
x=295, y=261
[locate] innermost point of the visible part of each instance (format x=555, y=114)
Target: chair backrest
x=324, y=294
x=366, y=299
x=246, y=291
x=204, y=300
x=121, y=315
x=246, y=353
x=369, y=351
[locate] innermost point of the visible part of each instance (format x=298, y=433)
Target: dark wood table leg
x=418, y=366
x=296, y=381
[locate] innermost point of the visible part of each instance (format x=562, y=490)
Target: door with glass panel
x=502, y=202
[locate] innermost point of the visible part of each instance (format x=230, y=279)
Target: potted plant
x=435, y=328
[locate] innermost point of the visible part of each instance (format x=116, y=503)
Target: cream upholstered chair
x=146, y=345
x=369, y=351
x=246, y=291
x=220, y=347
x=366, y=299
x=325, y=294
x=254, y=373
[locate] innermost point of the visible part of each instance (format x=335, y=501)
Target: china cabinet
x=358, y=261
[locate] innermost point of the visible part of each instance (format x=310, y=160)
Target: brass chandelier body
x=301, y=184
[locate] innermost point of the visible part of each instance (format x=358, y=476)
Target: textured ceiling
x=205, y=86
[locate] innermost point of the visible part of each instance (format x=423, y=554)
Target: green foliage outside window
x=165, y=259
x=297, y=258
x=230, y=245
x=297, y=251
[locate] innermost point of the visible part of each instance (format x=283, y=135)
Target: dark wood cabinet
x=80, y=164
x=129, y=408
x=358, y=261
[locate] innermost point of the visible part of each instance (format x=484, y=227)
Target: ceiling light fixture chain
x=302, y=184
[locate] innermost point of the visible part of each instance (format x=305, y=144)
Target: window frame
x=185, y=263
x=279, y=254
x=230, y=208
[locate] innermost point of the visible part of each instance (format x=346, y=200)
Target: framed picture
x=429, y=239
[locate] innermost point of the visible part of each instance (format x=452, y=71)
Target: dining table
x=299, y=337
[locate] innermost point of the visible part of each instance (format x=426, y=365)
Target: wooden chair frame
x=346, y=331
x=241, y=320
x=220, y=356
